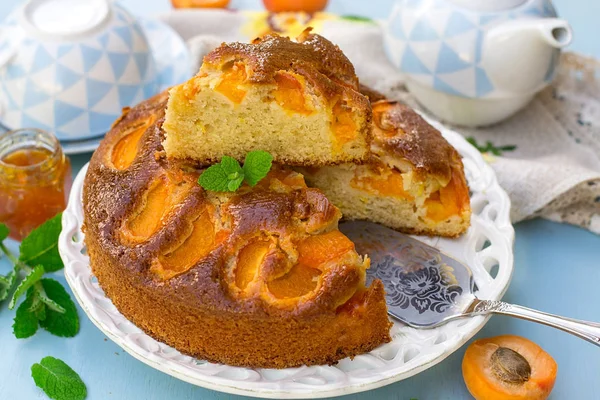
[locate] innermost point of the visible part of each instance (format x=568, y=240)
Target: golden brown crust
x=273, y=53
x=372, y=94
x=398, y=131
x=198, y=310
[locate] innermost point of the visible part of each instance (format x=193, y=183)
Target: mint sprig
x=47, y=303
x=228, y=175
x=58, y=380
x=489, y=147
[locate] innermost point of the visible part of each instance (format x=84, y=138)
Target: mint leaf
x=214, y=179
x=41, y=245
x=226, y=176
x=38, y=307
x=26, y=322
x=6, y=284
x=32, y=277
x=256, y=166
x=490, y=147
x=3, y=232
x=60, y=324
x=58, y=380
x=357, y=18
x=231, y=166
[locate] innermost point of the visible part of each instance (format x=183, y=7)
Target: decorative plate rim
x=490, y=226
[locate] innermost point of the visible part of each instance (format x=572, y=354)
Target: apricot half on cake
x=260, y=277
x=297, y=100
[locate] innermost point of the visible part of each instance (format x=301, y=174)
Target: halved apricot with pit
x=249, y=260
x=231, y=81
x=299, y=281
x=318, y=249
x=126, y=148
x=508, y=368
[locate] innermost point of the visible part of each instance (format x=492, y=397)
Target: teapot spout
x=555, y=31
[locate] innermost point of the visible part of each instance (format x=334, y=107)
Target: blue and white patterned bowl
x=72, y=81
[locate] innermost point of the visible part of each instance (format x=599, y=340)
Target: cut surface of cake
x=414, y=181
x=298, y=100
x=260, y=277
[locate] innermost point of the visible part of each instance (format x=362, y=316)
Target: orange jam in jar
x=35, y=180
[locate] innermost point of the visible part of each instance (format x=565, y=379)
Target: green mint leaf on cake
x=65, y=324
x=26, y=322
x=58, y=380
x=41, y=246
x=228, y=175
x=30, y=279
x=256, y=166
x=3, y=232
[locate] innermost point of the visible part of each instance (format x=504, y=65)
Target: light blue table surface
x=557, y=269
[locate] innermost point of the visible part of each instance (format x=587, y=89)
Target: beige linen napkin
x=554, y=171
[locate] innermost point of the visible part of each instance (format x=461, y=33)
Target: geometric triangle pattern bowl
x=487, y=247
x=75, y=88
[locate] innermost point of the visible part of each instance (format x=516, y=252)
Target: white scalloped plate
x=487, y=246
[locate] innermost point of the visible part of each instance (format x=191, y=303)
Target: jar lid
x=64, y=18
x=488, y=5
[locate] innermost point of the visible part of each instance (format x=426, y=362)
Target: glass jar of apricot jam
x=35, y=179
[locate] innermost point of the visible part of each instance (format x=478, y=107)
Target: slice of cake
x=297, y=100
x=414, y=181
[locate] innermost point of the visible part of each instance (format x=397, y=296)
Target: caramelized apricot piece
x=448, y=201
x=230, y=83
x=344, y=126
x=143, y=224
x=389, y=184
x=318, y=249
x=289, y=93
x=196, y=246
x=299, y=281
x=285, y=176
x=125, y=150
x=508, y=368
x=249, y=260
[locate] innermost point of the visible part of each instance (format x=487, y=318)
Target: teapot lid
x=488, y=5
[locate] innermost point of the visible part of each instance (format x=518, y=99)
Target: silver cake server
x=425, y=288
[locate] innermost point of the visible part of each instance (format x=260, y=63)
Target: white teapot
x=475, y=62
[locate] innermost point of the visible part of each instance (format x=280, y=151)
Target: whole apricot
x=309, y=6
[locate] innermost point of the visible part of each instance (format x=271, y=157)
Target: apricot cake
x=298, y=100
x=414, y=181
x=261, y=277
